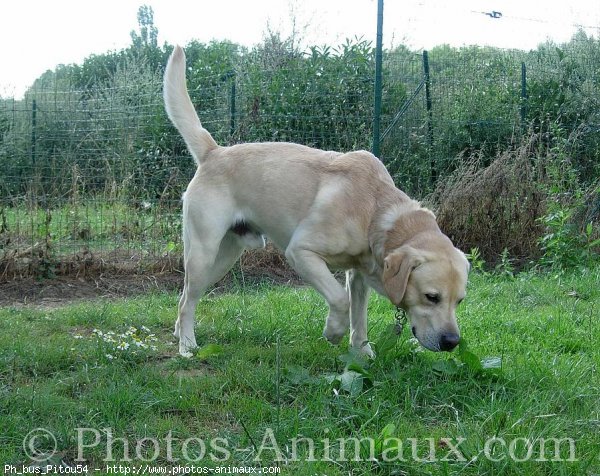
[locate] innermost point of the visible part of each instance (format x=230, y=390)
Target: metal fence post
x=523, y=97
x=428, y=105
x=232, y=107
x=33, y=131
x=378, y=81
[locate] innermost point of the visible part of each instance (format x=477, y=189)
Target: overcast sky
x=37, y=35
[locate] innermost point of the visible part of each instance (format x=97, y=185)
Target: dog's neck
x=409, y=227
x=397, y=224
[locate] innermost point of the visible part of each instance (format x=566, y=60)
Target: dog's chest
x=345, y=261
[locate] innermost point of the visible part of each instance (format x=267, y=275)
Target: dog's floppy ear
x=466, y=260
x=396, y=271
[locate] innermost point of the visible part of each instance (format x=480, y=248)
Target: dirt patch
x=49, y=293
x=259, y=266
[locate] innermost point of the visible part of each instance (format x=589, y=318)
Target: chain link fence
x=92, y=174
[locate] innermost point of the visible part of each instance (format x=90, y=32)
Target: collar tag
x=400, y=319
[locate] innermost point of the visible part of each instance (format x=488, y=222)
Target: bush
x=529, y=204
x=496, y=207
x=568, y=241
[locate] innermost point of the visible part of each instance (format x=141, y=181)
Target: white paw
x=186, y=353
x=365, y=349
x=334, y=336
x=187, y=347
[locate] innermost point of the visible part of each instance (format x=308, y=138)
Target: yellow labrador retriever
x=327, y=210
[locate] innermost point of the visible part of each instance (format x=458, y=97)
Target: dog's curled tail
x=181, y=110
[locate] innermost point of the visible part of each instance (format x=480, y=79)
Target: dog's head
x=429, y=284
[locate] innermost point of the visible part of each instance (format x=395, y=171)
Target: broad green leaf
x=298, y=375
x=467, y=357
x=353, y=357
x=387, y=431
x=351, y=382
x=362, y=371
x=386, y=342
x=470, y=359
x=208, y=351
x=446, y=367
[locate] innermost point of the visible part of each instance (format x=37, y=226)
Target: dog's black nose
x=449, y=341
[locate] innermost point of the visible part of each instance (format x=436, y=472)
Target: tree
x=148, y=35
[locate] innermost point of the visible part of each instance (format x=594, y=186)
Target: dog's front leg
x=359, y=292
x=311, y=268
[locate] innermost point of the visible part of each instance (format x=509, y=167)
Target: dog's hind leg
x=205, y=264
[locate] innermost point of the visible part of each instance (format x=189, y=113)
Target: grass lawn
x=104, y=379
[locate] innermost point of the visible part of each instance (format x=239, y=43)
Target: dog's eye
x=433, y=298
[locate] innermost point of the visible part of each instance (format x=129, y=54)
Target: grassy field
x=266, y=390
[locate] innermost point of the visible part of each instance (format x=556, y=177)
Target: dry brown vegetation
x=496, y=207
x=504, y=207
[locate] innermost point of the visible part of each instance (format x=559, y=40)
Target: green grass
x=269, y=377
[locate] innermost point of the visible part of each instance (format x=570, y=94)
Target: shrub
x=529, y=203
x=568, y=240
x=565, y=245
x=496, y=207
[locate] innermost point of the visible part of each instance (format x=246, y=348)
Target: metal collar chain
x=400, y=319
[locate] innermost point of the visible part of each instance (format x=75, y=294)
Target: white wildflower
x=123, y=346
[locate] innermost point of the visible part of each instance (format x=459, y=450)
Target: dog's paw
x=186, y=354
x=365, y=349
x=187, y=347
x=334, y=336
x=187, y=351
